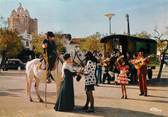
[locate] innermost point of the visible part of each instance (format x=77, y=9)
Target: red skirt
x=122, y=79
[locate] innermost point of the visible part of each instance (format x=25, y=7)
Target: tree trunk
x=161, y=65
x=3, y=59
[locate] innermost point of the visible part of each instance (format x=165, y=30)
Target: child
x=123, y=78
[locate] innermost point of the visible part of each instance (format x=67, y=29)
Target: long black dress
x=65, y=101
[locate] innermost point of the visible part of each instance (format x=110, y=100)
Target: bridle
x=76, y=55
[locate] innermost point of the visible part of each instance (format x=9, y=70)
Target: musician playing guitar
x=140, y=64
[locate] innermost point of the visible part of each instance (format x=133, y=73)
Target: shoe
x=90, y=110
x=122, y=97
x=85, y=108
x=116, y=83
x=126, y=97
x=145, y=95
x=141, y=94
x=48, y=81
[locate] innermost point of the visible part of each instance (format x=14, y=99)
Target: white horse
x=34, y=72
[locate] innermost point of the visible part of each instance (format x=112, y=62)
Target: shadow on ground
x=8, y=94
x=113, y=112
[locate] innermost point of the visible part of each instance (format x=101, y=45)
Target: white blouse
x=89, y=72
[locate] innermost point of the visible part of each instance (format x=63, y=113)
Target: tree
x=143, y=34
x=162, y=45
x=59, y=41
x=37, y=43
x=10, y=43
x=91, y=43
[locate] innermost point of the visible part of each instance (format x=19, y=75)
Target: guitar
x=138, y=63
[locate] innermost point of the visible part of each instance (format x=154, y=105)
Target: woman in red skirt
x=122, y=77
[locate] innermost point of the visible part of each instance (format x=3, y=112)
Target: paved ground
x=14, y=102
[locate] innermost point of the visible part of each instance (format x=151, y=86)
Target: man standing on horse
x=50, y=49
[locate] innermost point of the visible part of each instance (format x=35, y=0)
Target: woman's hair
x=89, y=56
x=66, y=56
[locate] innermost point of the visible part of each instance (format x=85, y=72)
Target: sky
x=85, y=17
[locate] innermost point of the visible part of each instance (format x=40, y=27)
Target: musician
x=106, y=75
x=140, y=64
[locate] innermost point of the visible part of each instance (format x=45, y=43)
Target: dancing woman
x=122, y=77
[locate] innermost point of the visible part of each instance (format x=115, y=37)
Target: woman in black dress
x=65, y=101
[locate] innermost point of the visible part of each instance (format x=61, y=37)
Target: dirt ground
x=14, y=102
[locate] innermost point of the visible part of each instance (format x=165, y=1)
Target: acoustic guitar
x=138, y=63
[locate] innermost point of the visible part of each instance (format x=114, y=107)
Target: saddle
x=42, y=65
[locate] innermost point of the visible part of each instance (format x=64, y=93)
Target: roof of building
x=20, y=11
x=123, y=37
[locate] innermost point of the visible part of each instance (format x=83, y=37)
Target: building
x=26, y=40
x=21, y=22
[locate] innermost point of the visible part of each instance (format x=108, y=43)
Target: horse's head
x=79, y=58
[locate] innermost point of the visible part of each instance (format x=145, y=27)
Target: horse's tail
x=57, y=64
x=27, y=78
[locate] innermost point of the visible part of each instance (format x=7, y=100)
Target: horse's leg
x=30, y=84
x=27, y=85
x=37, y=82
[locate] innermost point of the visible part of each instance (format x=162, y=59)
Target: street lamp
x=128, y=26
x=109, y=16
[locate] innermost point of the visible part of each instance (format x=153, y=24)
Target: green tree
x=37, y=43
x=142, y=34
x=91, y=43
x=59, y=41
x=10, y=43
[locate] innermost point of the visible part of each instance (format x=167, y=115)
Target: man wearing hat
x=50, y=48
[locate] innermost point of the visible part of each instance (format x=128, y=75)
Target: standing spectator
x=99, y=69
x=116, y=73
x=106, y=75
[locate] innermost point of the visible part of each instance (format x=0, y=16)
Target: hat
x=50, y=34
x=66, y=56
